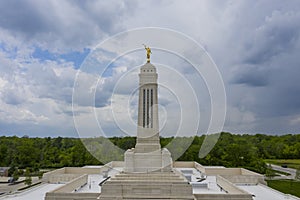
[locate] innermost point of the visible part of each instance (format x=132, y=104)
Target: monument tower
x=148, y=126
x=147, y=172
x=147, y=155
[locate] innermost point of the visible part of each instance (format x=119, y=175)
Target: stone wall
x=73, y=185
x=228, y=186
x=183, y=164
x=72, y=196
x=62, y=178
x=245, y=179
x=67, y=174
x=116, y=164
x=248, y=172
x=48, y=175
x=199, y=167
x=234, y=175
x=223, y=196
x=67, y=192
x=222, y=171
x=83, y=170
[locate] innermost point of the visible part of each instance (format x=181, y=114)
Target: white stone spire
x=148, y=125
x=147, y=156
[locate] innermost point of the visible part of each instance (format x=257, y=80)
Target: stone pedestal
x=156, y=161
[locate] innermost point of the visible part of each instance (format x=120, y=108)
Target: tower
x=148, y=172
x=148, y=125
x=147, y=156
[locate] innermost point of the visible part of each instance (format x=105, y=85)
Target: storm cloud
x=255, y=45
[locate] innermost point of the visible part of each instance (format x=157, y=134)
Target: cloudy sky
x=43, y=44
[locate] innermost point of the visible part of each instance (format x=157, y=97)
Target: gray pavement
x=6, y=188
x=291, y=171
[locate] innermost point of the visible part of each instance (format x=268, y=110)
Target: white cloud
x=255, y=45
x=295, y=121
x=19, y=115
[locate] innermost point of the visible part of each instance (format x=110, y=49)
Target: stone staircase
x=141, y=186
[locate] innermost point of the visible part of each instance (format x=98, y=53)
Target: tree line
x=231, y=150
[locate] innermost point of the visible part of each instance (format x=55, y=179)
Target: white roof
x=94, y=180
x=211, y=181
x=92, y=185
x=260, y=192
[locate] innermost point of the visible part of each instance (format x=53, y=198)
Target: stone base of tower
x=142, y=186
x=156, y=161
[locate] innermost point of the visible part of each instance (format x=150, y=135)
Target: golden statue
x=148, y=53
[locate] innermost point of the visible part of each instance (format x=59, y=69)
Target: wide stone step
x=154, y=174
x=146, y=178
x=150, y=174
x=147, y=186
x=150, y=180
x=147, y=182
x=143, y=198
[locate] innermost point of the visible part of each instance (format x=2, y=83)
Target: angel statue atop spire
x=148, y=52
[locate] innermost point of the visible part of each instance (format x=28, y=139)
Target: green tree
x=270, y=172
x=16, y=175
x=12, y=170
x=28, y=179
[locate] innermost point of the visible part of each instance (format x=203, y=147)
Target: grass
x=286, y=186
x=291, y=163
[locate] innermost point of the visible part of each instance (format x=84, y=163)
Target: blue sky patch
x=76, y=57
x=11, y=53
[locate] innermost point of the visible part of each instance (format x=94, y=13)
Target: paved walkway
x=37, y=193
x=286, y=170
x=6, y=188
